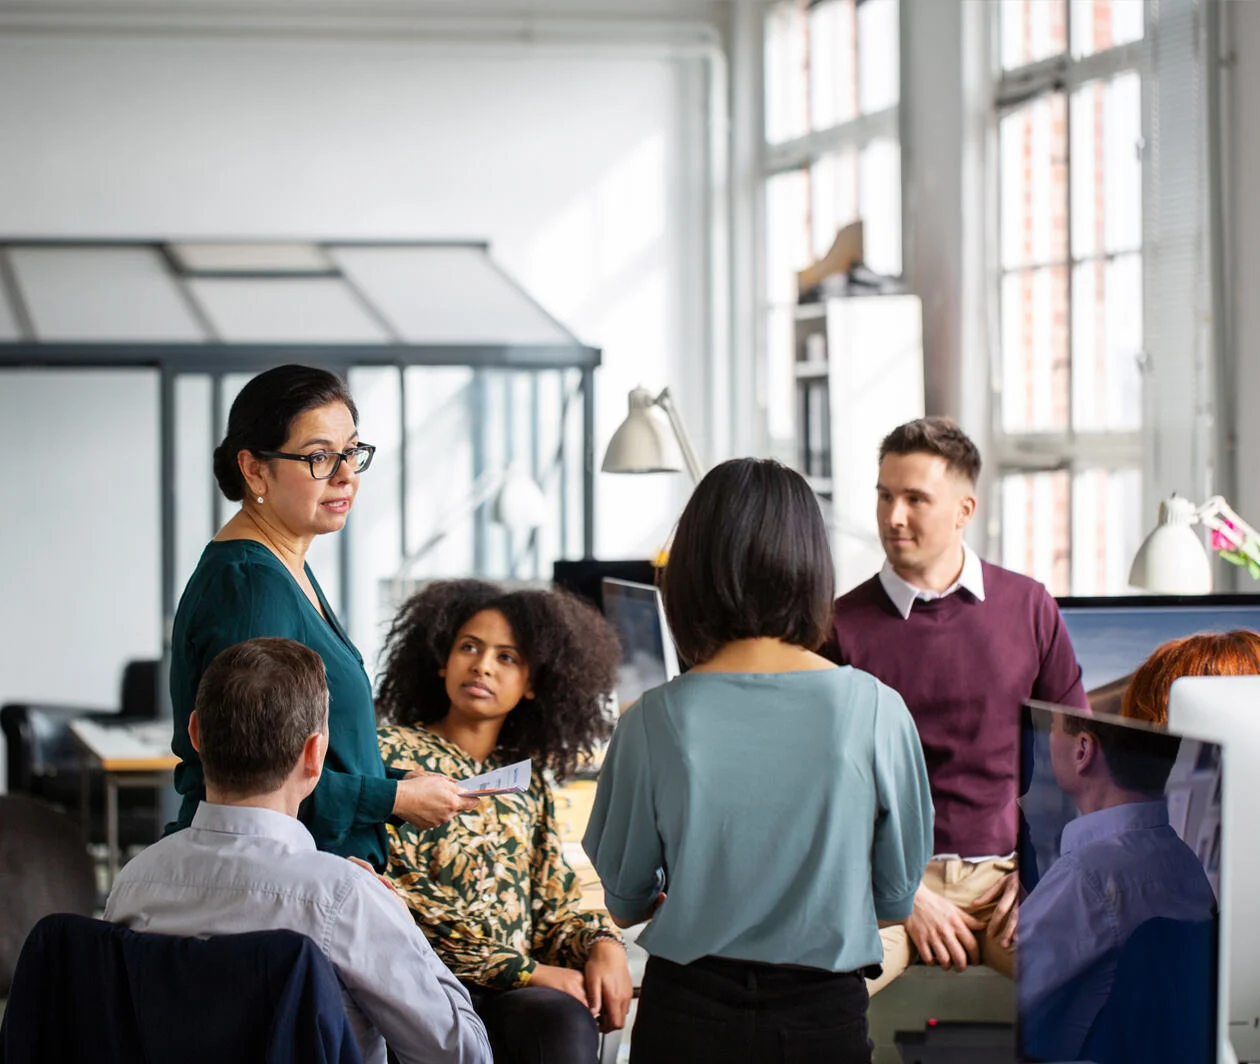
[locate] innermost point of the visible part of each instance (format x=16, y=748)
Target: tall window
x=1069, y=410
x=832, y=156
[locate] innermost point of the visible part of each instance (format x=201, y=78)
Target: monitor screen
x=1121, y=841
x=584, y=577
x=1113, y=636
x=1227, y=710
x=648, y=656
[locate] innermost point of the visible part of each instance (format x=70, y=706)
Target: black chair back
x=97, y=993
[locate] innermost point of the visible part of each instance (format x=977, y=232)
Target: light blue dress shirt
x=1117, y=868
x=781, y=812
x=240, y=868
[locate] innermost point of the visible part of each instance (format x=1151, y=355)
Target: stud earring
x=259, y=498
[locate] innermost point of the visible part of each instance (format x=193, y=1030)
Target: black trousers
x=536, y=1025
x=742, y=1012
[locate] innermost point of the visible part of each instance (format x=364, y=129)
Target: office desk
x=130, y=755
x=574, y=801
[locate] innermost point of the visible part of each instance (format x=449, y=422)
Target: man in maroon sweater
x=964, y=643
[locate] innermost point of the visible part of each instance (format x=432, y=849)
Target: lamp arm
x=1220, y=517
x=694, y=469
x=483, y=490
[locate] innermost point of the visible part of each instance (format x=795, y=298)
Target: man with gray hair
x=248, y=864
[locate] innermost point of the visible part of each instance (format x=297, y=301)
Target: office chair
x=97, y=993
x=43, y=759
x=44, y=868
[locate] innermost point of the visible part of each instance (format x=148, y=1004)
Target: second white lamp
x=1172, y=560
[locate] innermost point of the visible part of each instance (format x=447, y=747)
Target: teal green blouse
x=239, y=591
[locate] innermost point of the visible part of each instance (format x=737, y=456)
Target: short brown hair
x=257, y=704
x=940, y=436
x=750, y=559
x=1137, y=759
x=1234, y=653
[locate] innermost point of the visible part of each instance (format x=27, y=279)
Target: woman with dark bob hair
x=292, y=458
x=766, y=811
x=475, y=679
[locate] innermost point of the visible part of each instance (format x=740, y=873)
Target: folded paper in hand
x=513, y=779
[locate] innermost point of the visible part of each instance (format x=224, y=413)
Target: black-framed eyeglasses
x=324, y=464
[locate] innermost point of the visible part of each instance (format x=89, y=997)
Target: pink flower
x=1220, y=541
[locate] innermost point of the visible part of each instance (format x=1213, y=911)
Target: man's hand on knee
x=942, y=933
x=1004, y=896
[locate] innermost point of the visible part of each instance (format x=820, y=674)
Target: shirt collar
x=252, y=820
x=904, y=594
x=1105, y=823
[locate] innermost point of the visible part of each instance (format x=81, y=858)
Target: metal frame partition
x=33, y=342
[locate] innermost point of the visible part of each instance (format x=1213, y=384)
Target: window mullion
x=857, y=133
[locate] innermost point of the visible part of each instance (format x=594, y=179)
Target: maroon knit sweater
x=964, y=667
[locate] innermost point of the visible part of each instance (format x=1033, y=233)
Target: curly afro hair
x=571, y=651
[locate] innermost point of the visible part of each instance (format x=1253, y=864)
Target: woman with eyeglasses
x=292, y=458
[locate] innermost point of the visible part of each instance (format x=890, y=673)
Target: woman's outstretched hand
x=427, y=799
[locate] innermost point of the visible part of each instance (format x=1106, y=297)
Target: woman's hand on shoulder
x=608, y=986
x=426, y=799
x=569, y=980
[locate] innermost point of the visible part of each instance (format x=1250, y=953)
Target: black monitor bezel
x=1214, y=600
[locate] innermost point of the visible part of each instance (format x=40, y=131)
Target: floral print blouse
x=490, y=889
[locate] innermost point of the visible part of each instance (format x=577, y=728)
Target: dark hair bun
x=228, y=473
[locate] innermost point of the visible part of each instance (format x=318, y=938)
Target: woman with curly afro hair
x=474, y=679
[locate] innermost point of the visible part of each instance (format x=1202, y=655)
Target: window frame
x=1070, y=450
x=801, y=153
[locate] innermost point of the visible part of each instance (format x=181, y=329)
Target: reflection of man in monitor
x=1120, y=865
x=648, y=657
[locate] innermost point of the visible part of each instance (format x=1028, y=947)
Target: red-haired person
x=1207, y=654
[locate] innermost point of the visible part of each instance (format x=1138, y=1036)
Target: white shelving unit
x=859, y=374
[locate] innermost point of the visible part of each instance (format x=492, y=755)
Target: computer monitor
x=1113, y=636
x=648, y=656
x=585, y=576
x=1227, y=710
x=1118, y=940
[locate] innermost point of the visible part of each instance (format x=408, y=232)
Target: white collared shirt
x=904, y=594
x=243, y=868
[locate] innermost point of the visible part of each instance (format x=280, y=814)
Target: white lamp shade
x=645, y=441
x=521, y=505
x=1172, y=560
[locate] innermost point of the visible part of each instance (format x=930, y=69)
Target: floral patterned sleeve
x=562, y=933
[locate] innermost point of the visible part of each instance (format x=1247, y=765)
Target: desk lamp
x=1172, y=559
x=652, y=439
x=519, y=505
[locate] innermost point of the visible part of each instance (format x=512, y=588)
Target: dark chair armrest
x=38, y=740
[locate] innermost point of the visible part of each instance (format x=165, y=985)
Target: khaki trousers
x=960, y=882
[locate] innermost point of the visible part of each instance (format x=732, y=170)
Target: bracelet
x=607, y=936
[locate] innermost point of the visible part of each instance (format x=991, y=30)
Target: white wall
x=79, y=581
x=585, y=173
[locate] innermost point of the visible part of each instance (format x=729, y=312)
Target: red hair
x=1234, y=653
